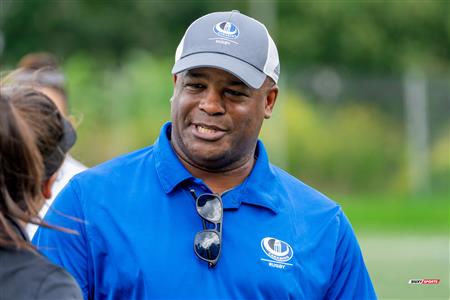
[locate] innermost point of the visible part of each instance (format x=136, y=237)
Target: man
x=207, y=184
x=41, y=70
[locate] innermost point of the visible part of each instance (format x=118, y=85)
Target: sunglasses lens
x=210, y=208
x=207, y=245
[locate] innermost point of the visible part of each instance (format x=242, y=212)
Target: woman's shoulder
x=28, y=275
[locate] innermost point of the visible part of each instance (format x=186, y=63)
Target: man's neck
x=223, y=181
x=220, y=182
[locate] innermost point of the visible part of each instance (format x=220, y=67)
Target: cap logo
x=226, y=30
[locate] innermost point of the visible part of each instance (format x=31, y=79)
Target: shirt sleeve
x=70, y=251
x=349, y=279
x=59, y=285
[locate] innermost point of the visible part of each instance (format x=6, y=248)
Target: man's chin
x=209, y=160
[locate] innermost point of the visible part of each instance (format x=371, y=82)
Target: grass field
x=386, y=213
x=403, y=238
x=394, y=258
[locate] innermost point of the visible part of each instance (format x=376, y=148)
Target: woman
x=34, y=139
x=42, y=71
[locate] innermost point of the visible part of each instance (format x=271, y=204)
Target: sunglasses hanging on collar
x=208, y=242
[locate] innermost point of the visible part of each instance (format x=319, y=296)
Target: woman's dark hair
x=33, y=144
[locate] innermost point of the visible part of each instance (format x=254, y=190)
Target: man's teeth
x=205, y=130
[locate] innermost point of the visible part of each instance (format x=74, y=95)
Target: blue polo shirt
x=281, y=238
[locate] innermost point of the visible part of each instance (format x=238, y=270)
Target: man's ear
x=47, y=186
x=174, y=80
x=271, y=98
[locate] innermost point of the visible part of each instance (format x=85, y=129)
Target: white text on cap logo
x=226, y=30
x=277, y=250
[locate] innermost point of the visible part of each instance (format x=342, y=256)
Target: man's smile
x=207, y=132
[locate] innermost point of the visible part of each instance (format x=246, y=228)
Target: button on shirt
x=281, y=238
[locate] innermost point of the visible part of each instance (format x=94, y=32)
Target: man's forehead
x=214, y=73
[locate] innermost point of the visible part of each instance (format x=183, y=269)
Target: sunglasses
x=208, y=242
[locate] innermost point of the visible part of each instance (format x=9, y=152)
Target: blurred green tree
x=369, y=36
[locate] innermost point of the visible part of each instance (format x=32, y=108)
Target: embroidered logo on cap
x=226, y=30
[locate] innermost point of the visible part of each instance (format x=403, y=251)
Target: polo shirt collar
x=170, y=170
x=261, y=187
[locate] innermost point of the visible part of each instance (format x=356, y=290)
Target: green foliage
x=354, y=147
x=440, y=162
x=123, y=106
x=110, y=28
x=117, y=56
x=374, y=36
x=370, y=36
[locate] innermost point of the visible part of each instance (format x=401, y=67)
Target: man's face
x=217, y=118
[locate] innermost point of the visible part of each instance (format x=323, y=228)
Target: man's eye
x=194, y=86
x=235, y=93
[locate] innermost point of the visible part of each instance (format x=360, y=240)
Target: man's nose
x=212, y=103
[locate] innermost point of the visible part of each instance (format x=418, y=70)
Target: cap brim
x=250, y=75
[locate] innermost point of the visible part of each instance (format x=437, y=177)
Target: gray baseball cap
x=230, y=41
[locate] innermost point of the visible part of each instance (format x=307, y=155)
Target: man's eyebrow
x=195, y=74
x=199, y=74
x=238, y=83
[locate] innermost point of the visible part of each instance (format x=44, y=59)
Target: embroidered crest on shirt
x=278, y=252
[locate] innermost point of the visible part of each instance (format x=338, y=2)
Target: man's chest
x=154, y=258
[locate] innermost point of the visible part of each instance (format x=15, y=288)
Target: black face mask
x=55, y=159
